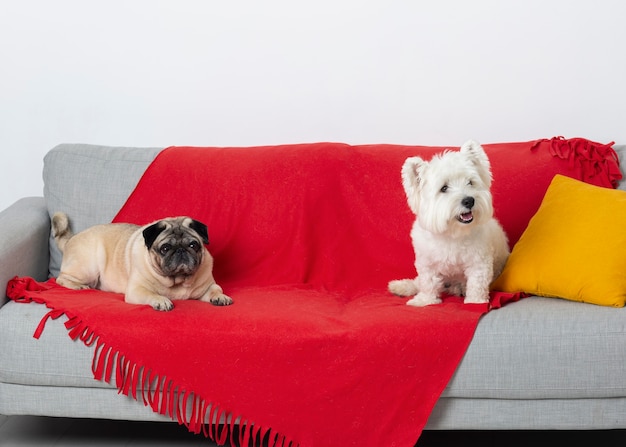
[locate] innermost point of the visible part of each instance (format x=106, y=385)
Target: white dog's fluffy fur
x=459, y=246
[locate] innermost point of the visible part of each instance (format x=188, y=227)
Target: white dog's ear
x=412, y=173
x=478, y=157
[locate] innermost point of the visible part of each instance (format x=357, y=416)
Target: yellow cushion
x=574, y=246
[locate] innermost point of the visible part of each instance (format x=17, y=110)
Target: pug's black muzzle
x=180, y=262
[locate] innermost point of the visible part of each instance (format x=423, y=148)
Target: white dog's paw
x=403, y=287
x=161, y=303
x=476, y=299
x=423, y=299
x=221, y=300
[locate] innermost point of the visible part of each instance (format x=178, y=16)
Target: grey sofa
x=536, y=364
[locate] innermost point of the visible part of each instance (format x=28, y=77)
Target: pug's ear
x=151, y=233
x=201, y=229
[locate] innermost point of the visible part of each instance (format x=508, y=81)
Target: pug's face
x=176, y=245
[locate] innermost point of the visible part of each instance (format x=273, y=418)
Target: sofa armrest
x=24, y=233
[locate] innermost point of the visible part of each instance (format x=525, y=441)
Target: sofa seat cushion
x=537, y=348
x=542, y=348
x=52, y=360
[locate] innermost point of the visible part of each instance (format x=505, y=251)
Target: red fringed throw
x=292, y=363
x=315, y=351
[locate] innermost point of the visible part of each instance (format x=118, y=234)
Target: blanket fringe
x=164, y=397
x=592, y=159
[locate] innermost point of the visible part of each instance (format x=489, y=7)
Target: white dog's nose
x=468, y=202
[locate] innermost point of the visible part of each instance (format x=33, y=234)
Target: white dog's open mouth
x=466, y=217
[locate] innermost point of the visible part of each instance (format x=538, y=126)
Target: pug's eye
x=194, y=246
x=164, y=249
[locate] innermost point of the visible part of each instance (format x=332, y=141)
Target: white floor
x=38, y=431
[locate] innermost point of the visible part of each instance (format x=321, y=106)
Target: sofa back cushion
x=620, y=150
x=90, y=183
x=331, y=214
x=522, y=172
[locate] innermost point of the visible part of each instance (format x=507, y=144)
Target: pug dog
x=154, y=264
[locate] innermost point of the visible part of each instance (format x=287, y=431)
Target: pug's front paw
x=221, y=300
x=162, y=304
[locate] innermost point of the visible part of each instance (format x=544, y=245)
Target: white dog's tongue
x=466, y=217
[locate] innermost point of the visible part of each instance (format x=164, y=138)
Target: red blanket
x=314, y=352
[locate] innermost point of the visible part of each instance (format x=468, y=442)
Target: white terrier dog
x=459, y=246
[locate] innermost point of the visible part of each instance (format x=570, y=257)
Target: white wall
x=149, y=72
